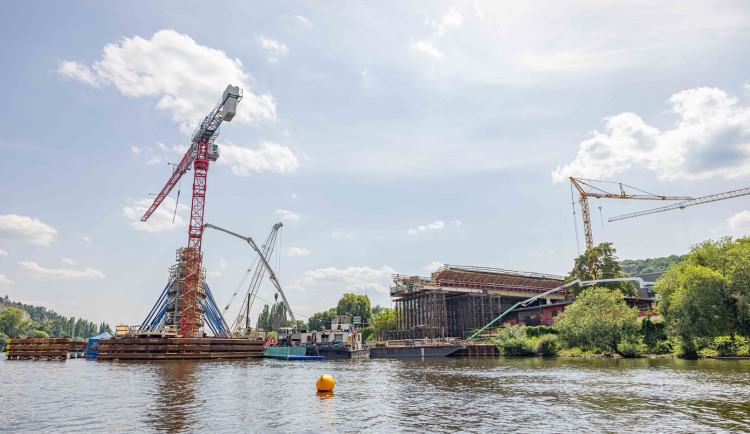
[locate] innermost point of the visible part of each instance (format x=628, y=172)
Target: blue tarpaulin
x=93, y=347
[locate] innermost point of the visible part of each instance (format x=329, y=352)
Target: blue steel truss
x=214, y=319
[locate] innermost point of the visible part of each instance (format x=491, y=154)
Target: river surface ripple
x=378, y=395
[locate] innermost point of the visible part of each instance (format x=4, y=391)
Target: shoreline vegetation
x=703, y=310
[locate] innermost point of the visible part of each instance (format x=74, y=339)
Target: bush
x=368, y=333
x=512, y=341
x=40, y=334
x=537, y=331
x=724, y=346
x=547, y=345
x=630, y=349
x=3, y=341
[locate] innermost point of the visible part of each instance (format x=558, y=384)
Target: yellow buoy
x=325, y=383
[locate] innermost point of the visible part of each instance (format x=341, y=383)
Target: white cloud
x=294, y=196
x=21, y=228
x=303, y=20
x=746, y=87
x=426, y=46
x=37, y=272
x=271, y=157
x=214, y=273
x=5, y=282
x=160, y=220
x=68, y=261
x=78, y=72
x=711, y=138
x=85, y=238
x=437, y=224
x=287, y=215
x=432, y=266
x=739, y=222
x=222, y=263
x=154, y=160
x=188, y=78
x=354, y=279
x=452, y=19
x=3, y=252
x=275, y=49
x=456, y=223
x=341, y=235
x=297, y=251
x=136, y=150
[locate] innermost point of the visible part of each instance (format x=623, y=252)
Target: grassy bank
x=651, y=341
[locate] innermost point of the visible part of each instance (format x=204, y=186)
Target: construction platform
x=174, y=348
x=43, y=349
x=457, y=299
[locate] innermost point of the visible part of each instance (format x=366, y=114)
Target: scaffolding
x=457, y=299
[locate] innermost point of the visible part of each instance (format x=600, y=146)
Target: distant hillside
x=631, y=267
x=18, y=319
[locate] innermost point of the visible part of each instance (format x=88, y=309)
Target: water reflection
x=174, y=392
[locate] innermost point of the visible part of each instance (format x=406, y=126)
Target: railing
x=151, y=329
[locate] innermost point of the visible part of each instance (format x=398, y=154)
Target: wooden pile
x=133, y=348
x=43, y=349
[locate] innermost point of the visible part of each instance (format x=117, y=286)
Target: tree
x=708, y=294
x=386, y=320
x=278, y=316
x=321, y=319
x=377, y=309
x=598, y=319
x=12, y=322
x=597, y=263
x=355, y=305
x=263, y=319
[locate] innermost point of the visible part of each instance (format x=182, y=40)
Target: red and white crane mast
x=202, y=150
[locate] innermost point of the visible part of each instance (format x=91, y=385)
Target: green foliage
x=3, y=342
x=708, y=294
x=631, y=348
x=512, y=341
x=387, y=319
x=355, y=305
x=652, y=332
x=50, y=322
x=597, y=263
x=368, y=333
x=12, y=322
x=377, y=309
x=321, y=319
x=631, y=267
x=536, y=331
x=272, y=318
x=547, y=345
x=599, y=318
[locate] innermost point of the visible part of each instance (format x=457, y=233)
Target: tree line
x=704, y=303
x=23, y=320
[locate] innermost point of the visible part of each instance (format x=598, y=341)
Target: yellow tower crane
x=586, y=190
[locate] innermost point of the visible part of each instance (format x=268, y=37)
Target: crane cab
x=213, y=151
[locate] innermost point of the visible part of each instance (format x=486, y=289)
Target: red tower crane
x=202, y=150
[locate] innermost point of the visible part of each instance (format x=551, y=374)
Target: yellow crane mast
x=586, y=190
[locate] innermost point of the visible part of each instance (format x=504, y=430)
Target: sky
x=388, y=137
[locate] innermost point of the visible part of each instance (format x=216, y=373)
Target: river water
x=378, y=395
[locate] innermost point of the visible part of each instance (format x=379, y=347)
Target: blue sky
x=388, y=137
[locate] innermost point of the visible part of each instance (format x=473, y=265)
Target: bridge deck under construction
x=457, y=299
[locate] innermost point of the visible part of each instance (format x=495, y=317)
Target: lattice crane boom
x=243, y=318
x=682, y=205
x=599, y=193
x=202, y=150
x=263, y=259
